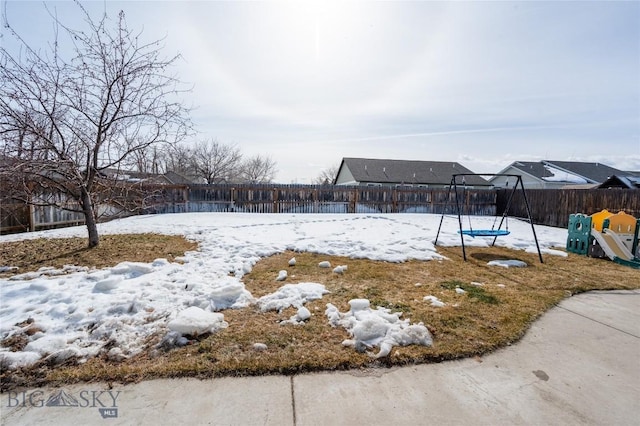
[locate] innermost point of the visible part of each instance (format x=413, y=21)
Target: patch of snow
x=64, y=355
x=194, y=321
x=340, y=269
x=324, y=264
x=292, y=261
x=434, y=301
x=295, y=295
x=460, y=291
x=13, y=360
x=116, y=354
x=108, y=284
x=46, y=344
x=382, y=328
x=303, y=314
x=550, y=251
x=300, y=317
x=562, y=176
x=282, y=275
x=172, y=339
x=508, y=263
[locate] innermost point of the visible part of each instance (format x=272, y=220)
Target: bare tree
x=216, y=162
x=178, y=158
x=145, y=161
x=66, y=118
x=258, y=169
x=327, y=175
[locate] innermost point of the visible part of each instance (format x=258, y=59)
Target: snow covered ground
x=74, y=312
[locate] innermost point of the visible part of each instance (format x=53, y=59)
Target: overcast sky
x=481, y=83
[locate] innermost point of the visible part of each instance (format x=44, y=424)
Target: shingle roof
x=534, y=168
x=367, y=170
x=593, y=172
x=628, y=181
x=177, y=178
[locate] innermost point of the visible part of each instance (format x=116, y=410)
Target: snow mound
x=294, y=295
x=300, y=317
x=340, y=269
x=46, y=345
x=194, y=321
x=508, y=263
x=14, y=360
x=172, y=340
x=380, y=327
x=108, y=284
x=229, y=293
x=434, y=301
x=132, y=269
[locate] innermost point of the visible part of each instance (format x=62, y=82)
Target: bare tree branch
x=327, y=175
x=258, y=169
x=216, y=162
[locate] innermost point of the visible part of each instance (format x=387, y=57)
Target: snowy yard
x=77, y=310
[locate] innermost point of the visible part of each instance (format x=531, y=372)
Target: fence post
x=275, y=201
x=32, y=218
x=354, y=201
x=233, y=199
x=394, y=200
x=316, y=202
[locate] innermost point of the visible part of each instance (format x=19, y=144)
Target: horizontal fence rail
x=548, y=206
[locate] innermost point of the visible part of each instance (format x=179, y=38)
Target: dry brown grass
x=485, y=318
x=30, y=255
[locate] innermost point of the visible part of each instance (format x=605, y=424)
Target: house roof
x=571, y=171
x=534, y=168
x=134, y=176
x=628, y=181
x=176, y=178
x=595, y=172
x=410, y=172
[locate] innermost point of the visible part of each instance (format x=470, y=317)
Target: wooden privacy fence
x=552, y=207
x=315, y=199
x=548, y=206
x=23, y=218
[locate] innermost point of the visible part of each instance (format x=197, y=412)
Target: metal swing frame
x=495, y=233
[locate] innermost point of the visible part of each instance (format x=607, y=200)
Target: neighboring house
x=383, y=172
x=175, y=178
x=626, y=182
x=557, y=174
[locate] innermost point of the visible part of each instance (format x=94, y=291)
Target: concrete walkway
x=578, y=365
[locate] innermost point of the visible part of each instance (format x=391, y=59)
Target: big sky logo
x=105, y=401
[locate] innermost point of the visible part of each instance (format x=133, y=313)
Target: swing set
x=458, y=180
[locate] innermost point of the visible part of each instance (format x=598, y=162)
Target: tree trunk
x=90, y=219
